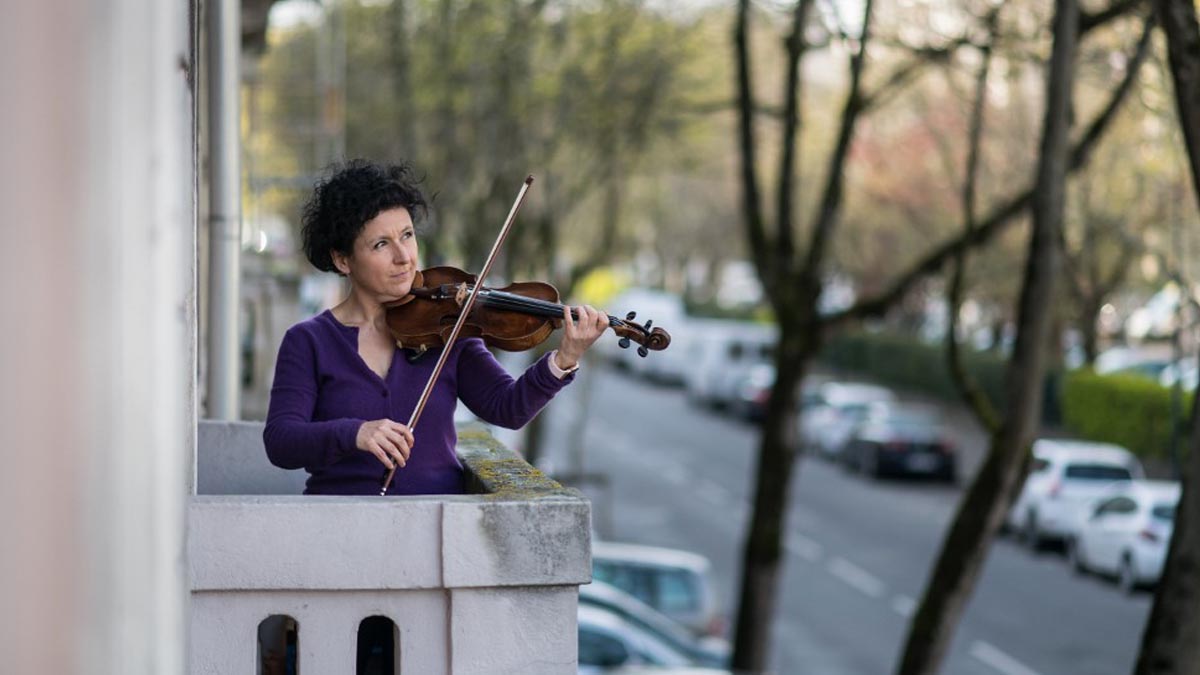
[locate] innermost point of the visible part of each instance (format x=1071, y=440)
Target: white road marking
x=904, y=605
x=856, y=577
x=803, y=547
x=999, y=660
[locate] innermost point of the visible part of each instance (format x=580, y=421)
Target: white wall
x=96, y=352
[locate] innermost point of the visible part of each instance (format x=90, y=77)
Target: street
x=857, y=551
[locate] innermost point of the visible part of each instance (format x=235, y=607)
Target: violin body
x=515, y=318
x=425, y=319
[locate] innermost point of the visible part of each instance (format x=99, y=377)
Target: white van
x=666, y=311
x=721, y=354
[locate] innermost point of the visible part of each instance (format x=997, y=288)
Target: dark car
x=901, y=441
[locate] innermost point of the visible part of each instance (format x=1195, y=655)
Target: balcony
x=480, y=583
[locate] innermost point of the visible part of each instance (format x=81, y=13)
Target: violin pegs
x=623, y=343
x=649, y=324
x=630, y=316
x=642, y=352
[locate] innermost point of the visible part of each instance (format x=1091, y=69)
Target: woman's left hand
x=579, y=334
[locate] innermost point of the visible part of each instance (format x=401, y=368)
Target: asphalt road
x=858, y=551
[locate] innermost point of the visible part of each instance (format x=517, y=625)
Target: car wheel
x=1075, y=556
x=875, y=468
x=1127, y=575
x=1030, y=535
x=949, y=475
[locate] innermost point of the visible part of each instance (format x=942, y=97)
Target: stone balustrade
x=479, y=583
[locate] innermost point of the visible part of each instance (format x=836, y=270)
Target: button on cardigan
x=323, y=391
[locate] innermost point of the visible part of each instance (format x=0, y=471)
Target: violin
x=515, y=318
x=444, y=301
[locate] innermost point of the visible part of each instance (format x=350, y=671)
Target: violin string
x=500, y=300
x=512, y=301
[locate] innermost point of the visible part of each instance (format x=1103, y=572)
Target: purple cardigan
x=323, y=391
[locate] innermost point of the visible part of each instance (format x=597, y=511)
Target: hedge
x=909, y=363
x=1132, y=411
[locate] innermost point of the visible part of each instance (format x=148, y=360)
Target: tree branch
x=968, y=388
x=923, y=57
x=1002, y=215
x=1118, y=9
x=831, y=202
x=785, y=249
x=759, y=246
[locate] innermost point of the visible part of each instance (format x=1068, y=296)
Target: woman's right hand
x=389, y=441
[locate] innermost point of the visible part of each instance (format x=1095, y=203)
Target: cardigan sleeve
x=494, y=396
x=292, y=438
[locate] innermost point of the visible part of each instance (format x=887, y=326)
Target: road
x=858, y=551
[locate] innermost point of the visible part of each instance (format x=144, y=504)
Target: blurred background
x=628, y=113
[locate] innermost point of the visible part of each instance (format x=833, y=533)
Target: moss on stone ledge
x=495, y=471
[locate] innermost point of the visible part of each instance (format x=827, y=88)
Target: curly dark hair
x=349, y=195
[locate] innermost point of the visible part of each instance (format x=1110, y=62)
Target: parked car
x=704, y=651
x=827, y=421
x=664, y=670
x=674, y=582
x=1065, y=477
x=608, y=641
x=663, y=309
x=1128, y=533
x=899, y=440
x=753, y=391
x=1184, y=371
x=720, y=354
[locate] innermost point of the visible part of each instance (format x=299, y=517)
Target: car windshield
x=1164, y=512
x=856, y=411
x=1097, y=472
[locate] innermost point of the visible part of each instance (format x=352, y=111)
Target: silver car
x=674, y=582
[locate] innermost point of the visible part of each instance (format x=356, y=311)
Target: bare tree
x=1089, y=282
x=981, y=510
x=792, y=278
x=972, y=394
x=792, y=284
x=1171, y=642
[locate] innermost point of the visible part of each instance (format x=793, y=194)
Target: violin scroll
x=648, y=337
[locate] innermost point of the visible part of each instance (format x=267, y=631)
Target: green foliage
x=1129, y=410
x=909, y=363
x=712, y=310
x=587, y=96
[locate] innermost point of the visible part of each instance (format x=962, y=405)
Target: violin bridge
x=460, y=296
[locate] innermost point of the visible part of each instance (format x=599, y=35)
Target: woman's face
x=383, y=260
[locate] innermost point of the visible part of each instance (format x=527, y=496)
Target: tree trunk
x=535, y=431
x=405, y=143
x=764, y=543
x=1089, y=314
x=1171, y=643
x=981, y=512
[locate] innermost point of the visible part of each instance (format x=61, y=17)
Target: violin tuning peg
x=630, y=316
x=649, y=324
x=642, y=352
x=623, y=343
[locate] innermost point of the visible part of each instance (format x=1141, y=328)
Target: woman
x=340, y=381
